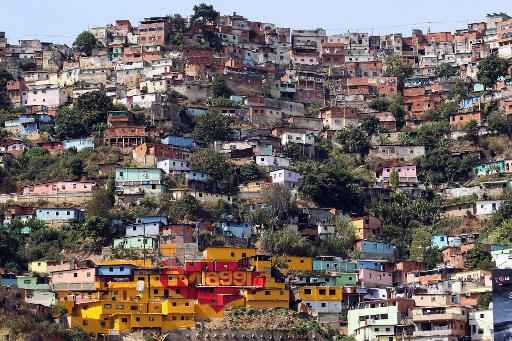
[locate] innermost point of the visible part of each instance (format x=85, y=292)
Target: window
x=307, y=291
x=120, y=307
x=323, y=304
x=174, y=304
x=124, y=320
x=133, y=307
x=155, y=291
x=321, y=291
x=75, y=274
x=137, y=319
x=267, y=292
x=107, y=306
x=332, y=292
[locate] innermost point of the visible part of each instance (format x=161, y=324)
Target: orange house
x=459, y=121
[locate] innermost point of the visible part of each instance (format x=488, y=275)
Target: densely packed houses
x=159, y=175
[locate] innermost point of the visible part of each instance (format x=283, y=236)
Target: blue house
x=329, y=263
x=27, y=124
x=114, y=270
x=196, y=176
x=53, y=215
x=8, y=280
x=178, y=141
x=79, y=144
x=237, y=230
x=370, y=265
x=440, y=241
x=376, y=250
x=152, y=219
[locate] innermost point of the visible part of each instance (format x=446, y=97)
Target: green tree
x=394, y=180
x=213, y=127
x=178, y=23
x=85, y=42
x=421, y=242
x=370, y=125
x=220, y=88
x=484, y=300
x=341, y=242
x=94, y=107
x=285, y=242
x=394, y=67
x=217, y=167
x=354, y=140
x=478, y=258
x=183, y=210
x=440, y=166
x=432, y=135
x=331, y=185
x=490, y=69
x=69, y=124
x=500, y=123
x=204, y=14
x=396, y=108
x=380, y=104
x=281, y=204
x=446, y=70
x=401, y=215
x=472, y=131
x=5, y=102
x=500, y=234
x=249, y=172
x=102, y=202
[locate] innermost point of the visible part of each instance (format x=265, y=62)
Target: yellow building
x=294, y=263
x=320, y=293
x=266, y=298
x=261, y=263
x=38, y=267
x=228, y=253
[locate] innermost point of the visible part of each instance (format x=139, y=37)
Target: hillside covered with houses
x=220, y=178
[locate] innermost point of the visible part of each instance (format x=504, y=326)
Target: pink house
x=406, y=173
x=372, y=278
x=13, y=147
x=59, y=187
x=78, y=279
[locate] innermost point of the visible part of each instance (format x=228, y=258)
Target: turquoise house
x=139, y=181
x=324, y=264
x=490, y=168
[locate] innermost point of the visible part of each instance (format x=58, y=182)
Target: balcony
x=433, y=333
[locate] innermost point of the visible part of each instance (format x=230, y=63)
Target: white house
x=272, y=161
x=171, y=166
x=47, y=95
x=481, y=325
x=486, y=207
x=285, y=177
x=143, y=229
x=502, y=258
x=307, y=138
x=326, y=307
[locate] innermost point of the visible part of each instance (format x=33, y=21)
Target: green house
x=32, y=283
x=135, y=243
